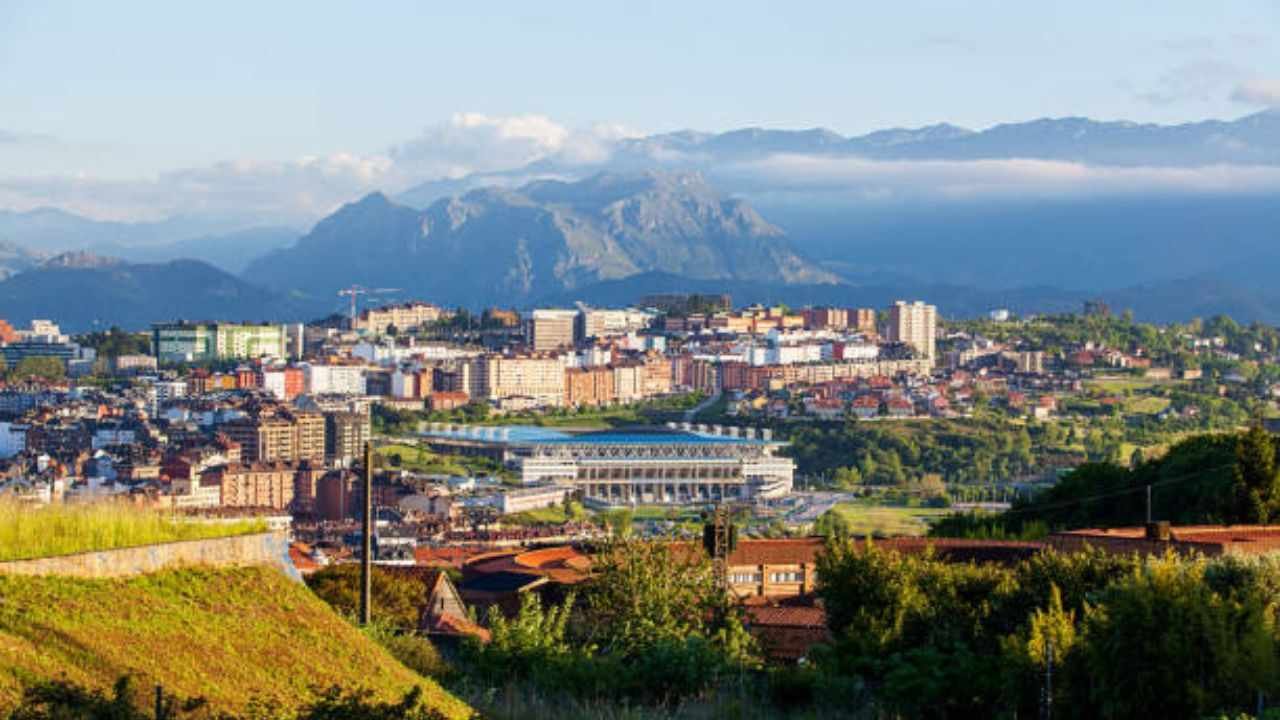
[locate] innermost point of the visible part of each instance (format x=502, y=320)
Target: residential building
x=199, y=342
x=334, y=379
x=497, y=378
x=596, y=323
x=261, y=485
x=552, y=329
x=345, y=436
x=914, y=324
x=401, y=317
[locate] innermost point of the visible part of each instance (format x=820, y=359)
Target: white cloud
x=1199, y=80
x=308, y=188
x=292, y=192
x=1258, y=91
x=478, y=143
x=989, y=178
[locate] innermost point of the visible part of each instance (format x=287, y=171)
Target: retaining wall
x=269, y=548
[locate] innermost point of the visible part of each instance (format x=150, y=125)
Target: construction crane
x=356, y=291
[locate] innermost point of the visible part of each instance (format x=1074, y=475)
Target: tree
x=48, y=368
x=1254, y=490
x=643, y=593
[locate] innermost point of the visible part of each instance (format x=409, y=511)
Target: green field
x=1113, y=385
x=422, y=460
x=888, y=520
x=1145, y=405
x=232, y=637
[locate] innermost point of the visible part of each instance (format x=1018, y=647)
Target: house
x=787, y=633
x=866, y=406
x=824, y=409
x=900, y=407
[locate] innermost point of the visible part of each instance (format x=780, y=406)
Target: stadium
x=673, y=465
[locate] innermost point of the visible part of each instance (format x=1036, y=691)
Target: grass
x=888, y=520
x=1114, y=384
x=28, y=531
x=554, y=515
x=1145, y=405
x=229, y=636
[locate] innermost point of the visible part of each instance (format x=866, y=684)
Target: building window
x=790, y=576
x=744, y=578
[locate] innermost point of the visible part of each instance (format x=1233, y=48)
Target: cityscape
x=421, y=362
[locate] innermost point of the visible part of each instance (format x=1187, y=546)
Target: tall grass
x=29, y=531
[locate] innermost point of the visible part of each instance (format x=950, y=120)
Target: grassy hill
x=228, y=636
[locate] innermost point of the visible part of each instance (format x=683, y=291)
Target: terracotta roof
x=787, y=616
x=450, y=624
x=300, y=556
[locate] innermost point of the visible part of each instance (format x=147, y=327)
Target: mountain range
x=694, y=210
x=82, y=291
x=548, y=237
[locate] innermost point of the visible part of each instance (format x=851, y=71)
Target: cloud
x=1258, y=91
x=1199, y=80
x=291, y=192
x=11, y=137
x=975, y=179
x=476, y=143
x=303, y=190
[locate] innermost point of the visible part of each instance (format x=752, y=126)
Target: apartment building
x=405, y=316
x=502, y=378
x=279, y=437
x=864, y=321
x=552, y=329
x=198, y=342
x=345, y=436
x=825, y=318
x=334, y=379
x=914, y=324
x=589, y=386
x=595, y=323
x=260, y=485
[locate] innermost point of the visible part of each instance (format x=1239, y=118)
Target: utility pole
x=366, y=539
x=1046, y=706
x=1148, y=504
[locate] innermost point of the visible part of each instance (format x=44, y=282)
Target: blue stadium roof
x=529, y=434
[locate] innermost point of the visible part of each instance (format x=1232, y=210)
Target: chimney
x=1159, y=531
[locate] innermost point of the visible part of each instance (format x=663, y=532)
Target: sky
x=103, y=96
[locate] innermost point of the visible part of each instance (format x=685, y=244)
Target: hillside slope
x=228, y=636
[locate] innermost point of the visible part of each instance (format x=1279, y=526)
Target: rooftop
x=531, y=435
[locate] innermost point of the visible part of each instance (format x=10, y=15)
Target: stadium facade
x=675, y=465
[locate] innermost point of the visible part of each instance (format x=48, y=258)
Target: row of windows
x=671, y=473
x=790, y=576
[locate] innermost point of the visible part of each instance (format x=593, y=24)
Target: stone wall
x=270, y=548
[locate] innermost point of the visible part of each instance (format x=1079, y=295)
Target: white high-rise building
x=914, y=324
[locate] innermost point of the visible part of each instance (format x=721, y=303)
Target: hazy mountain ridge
x=226, y=242
x=499, y=245
x=83, y=291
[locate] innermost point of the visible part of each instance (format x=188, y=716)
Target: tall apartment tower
x=552, y=329
x=914, y=324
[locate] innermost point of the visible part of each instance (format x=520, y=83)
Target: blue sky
x=118, y=90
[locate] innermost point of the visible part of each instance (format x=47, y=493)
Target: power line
x=1198, y=475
